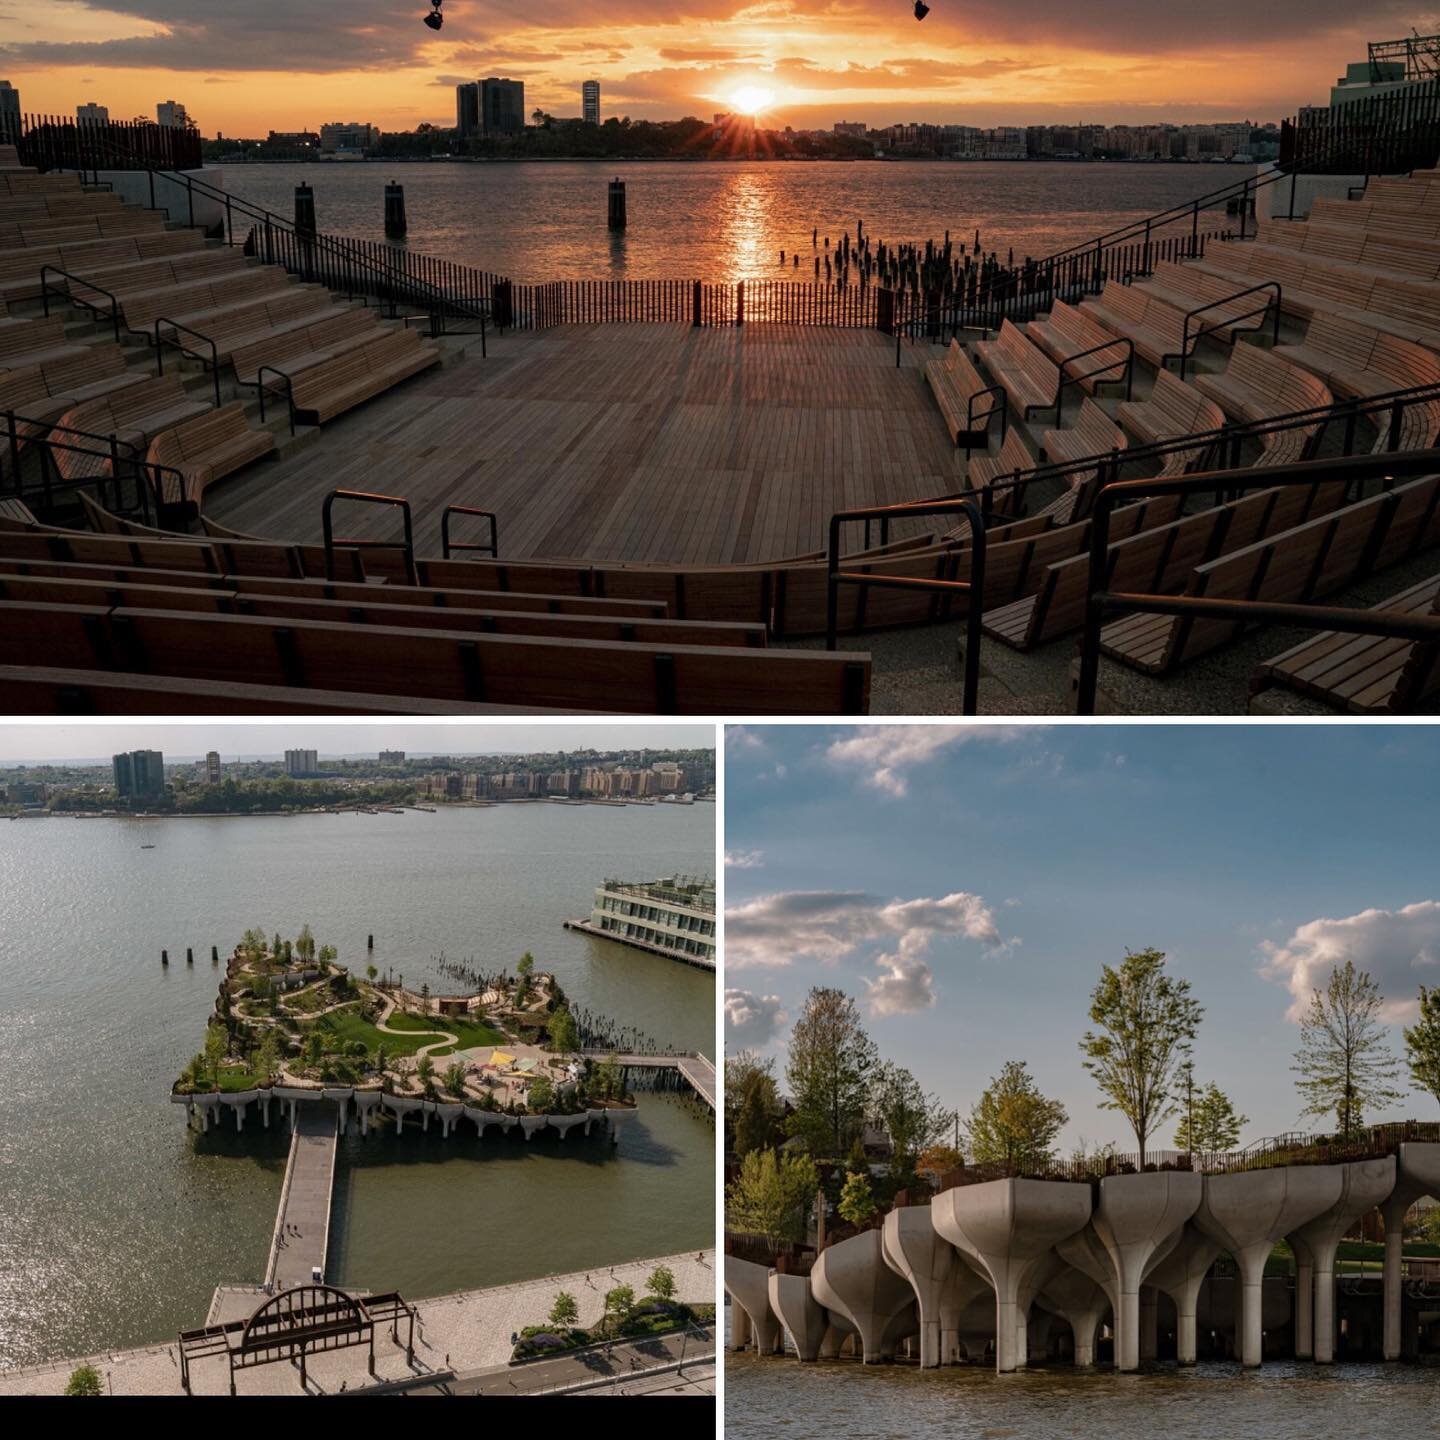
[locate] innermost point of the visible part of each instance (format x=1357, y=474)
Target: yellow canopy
x=501, y=1057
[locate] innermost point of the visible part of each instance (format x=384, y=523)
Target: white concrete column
x=1149, y=1323
x=942, y=1282
x=739, y=1326
x=802, y=1316
x=853, y=1280
x=1304, y=1299
x=1394, y=1254
x=748, y=1287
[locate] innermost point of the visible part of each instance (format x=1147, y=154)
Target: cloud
x=1400, y=949
x=741, y=738
x=829, y=925
x=751, y=1020
x=744, y=859
x=881, y=753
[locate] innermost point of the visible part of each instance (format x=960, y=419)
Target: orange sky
x=244, y=66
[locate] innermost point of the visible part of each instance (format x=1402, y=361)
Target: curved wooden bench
x=960, y=393
x=1157, y=330
x=1031, y=379
x=1227, y=312
x=133, y=415
x=1094, y=433
x=198, y=298
x=297, y=348
x=250, y=320
x=1013, y=458
x=113, y=226
x=1259, y=385
x=33, y=342
x=1174, y=408
x=20, y=267
x=1067, y=333
x=206, y=449
x=322, y=391
x=43, y=393
x=1364, y=674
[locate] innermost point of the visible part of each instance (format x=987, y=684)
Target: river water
x=721, y=221
x=116, y=1222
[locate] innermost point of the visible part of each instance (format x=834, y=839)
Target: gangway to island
x=692, y=1067
x=301, y=1240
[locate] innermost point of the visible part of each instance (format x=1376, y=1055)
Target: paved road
x=302, y=1228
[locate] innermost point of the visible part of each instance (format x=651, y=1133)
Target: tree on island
x=1422, y=1044
x=425, y=1072
x=755, y=1112
x=661, y=1283
x=84, y=1380
x=771, y=1196
x=216, y=1047
x=564, y=1034
x=525, y=964
x=1146, y=1022
x=455, y=1078
x=620, y=1301
x=371, y=973
x=606, y=1079
x=564, y=1311
x=1344, y=1061
x=1209, y=1121
x=911, y=1118
x=935, y=1160
x=1013, y=1123
x=830, y=1062
x=541, y=1096
x=305, y=944
x=857, y=1199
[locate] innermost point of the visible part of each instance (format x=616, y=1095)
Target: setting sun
x=752, y=99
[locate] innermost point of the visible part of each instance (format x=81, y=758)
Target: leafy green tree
x=564, y=1311
x=1013, y=1123
x=935, y=1160
x=1209, y=1122
x=425, y=1072
x=828, y=1071
x=216, y=1046
x=606, y=1079
x=84, y=1380
x=753, y=1112
x=1344, y=1060
x=564, y=1033
x=910, y=1117
x=455, y=1078
x=1145, y=1024
x=541, y=1095
x=857, y=1199
x=305, y=944
x=620, y=1301
x=328, y=953
x=371, y=973
x=1422, y=1044
x=525, y=965
x=771, y=1196
x=661, y=1283
x=267, y=1053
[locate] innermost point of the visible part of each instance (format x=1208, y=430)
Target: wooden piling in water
x=189, y=954
x=395, y=226
x=305, y=210
x=164, y=957
x=616, y=215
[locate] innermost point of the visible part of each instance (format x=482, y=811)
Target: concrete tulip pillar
x=747, y=1284
x=1138, y=1219
x=1304, y=1297
x=943, y=1283
x=1418, y=1175
x=852, y=1279
x=1083, y=1304
x=1038, y=1273
x=1247, y=1213
x=804, y=1319
x=1002, y=1227
x=1180, y=1275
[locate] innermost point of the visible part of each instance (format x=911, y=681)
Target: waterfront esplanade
x=1034, y=1268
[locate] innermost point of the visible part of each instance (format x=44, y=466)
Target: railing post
x=1094, y=611
x=739, y=302
x=695, y=303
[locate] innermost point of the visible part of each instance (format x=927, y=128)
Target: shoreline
x=398, y=809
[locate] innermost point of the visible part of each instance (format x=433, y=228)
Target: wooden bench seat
x=295, y=348
x=42, y=393
x=133, y=415
x=965, y=400
x=1363, y=674
x=1031, y=379
x=190, y=303
x=1259, y=385
x=1225, y=311
x=1299, y=565
x=205, y=450
x=438, y=664
x=324, y=390
x=1094, y=433
x=58, y=206
x=117, y=224
x=1403, y=256
x=20, y=267
x=234, y=327
x=1174, y=409
x=1068, y=332
x=1013, y=459
x=33, y=342
x=1157, y=561
x=1156, y=330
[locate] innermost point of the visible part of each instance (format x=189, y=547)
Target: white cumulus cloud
x=751, y=1020
x=1400, y=948
x=744, y=859
x=880, y=754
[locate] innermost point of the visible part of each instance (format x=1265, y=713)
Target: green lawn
x=350, y=1025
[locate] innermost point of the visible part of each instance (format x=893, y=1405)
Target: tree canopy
x=830, y=1063
x=1422, y=1044
x=1013, y=1124
x=771, y=1196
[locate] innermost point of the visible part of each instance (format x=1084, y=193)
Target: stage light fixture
x=435, y=19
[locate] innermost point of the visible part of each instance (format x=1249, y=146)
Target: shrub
x=85, y=1381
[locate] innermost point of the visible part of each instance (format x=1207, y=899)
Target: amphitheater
x=1028, y=1270
x=241, y=460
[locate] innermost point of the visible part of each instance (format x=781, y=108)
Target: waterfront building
x=590, y=102
x=92, y=114
x=139, y=774
x=347, y=137
x=172, y=115
x=9, y=113
x=301, y=762
x=674, y=916
x=392, y=757
x=502, y=106
x=467, y=109
x=212, y=767
x=857, y=129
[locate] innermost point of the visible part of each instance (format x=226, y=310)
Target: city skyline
x=984, y=65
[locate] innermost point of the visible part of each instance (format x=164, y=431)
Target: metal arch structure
x=1420, y=55
x=299, y=1322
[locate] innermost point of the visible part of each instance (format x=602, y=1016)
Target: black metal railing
x=177, y=329
x=490, y=547
x=1372, y=135
x=944, y=589
x=57, y=142
x=1102, y=603
x=1192, y=334
x=48, y=288
x=363, y=497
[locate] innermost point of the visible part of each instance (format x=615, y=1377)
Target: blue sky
x=966, y=883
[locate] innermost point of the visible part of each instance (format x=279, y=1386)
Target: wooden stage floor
x=626, y=442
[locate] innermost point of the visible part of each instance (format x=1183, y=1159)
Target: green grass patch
x=348, y=1026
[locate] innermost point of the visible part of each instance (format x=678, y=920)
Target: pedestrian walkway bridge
x=302, y=1225
x=691, y=1066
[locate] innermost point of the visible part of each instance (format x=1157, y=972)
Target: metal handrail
x=492, y=548
x=45, y=293
x=1128, y=375
x=367, y=498
x=974, y=587
x=1187, y=348
x=1351, y=470
x=177, y=326
x=289, y=391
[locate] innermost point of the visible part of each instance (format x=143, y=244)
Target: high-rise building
x=590, y=102
x=9, y=113
x=212, y=768
x=92, y=114
x=171, y=114
x=392, y=757
x=301, y=762
x=467, y=109
x=347, y=135
x=139, y=774
x=502, y=106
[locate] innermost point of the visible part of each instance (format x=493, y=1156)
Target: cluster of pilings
x=190, y=956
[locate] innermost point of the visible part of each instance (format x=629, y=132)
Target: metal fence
x=1380, y=134
x=58, y=142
